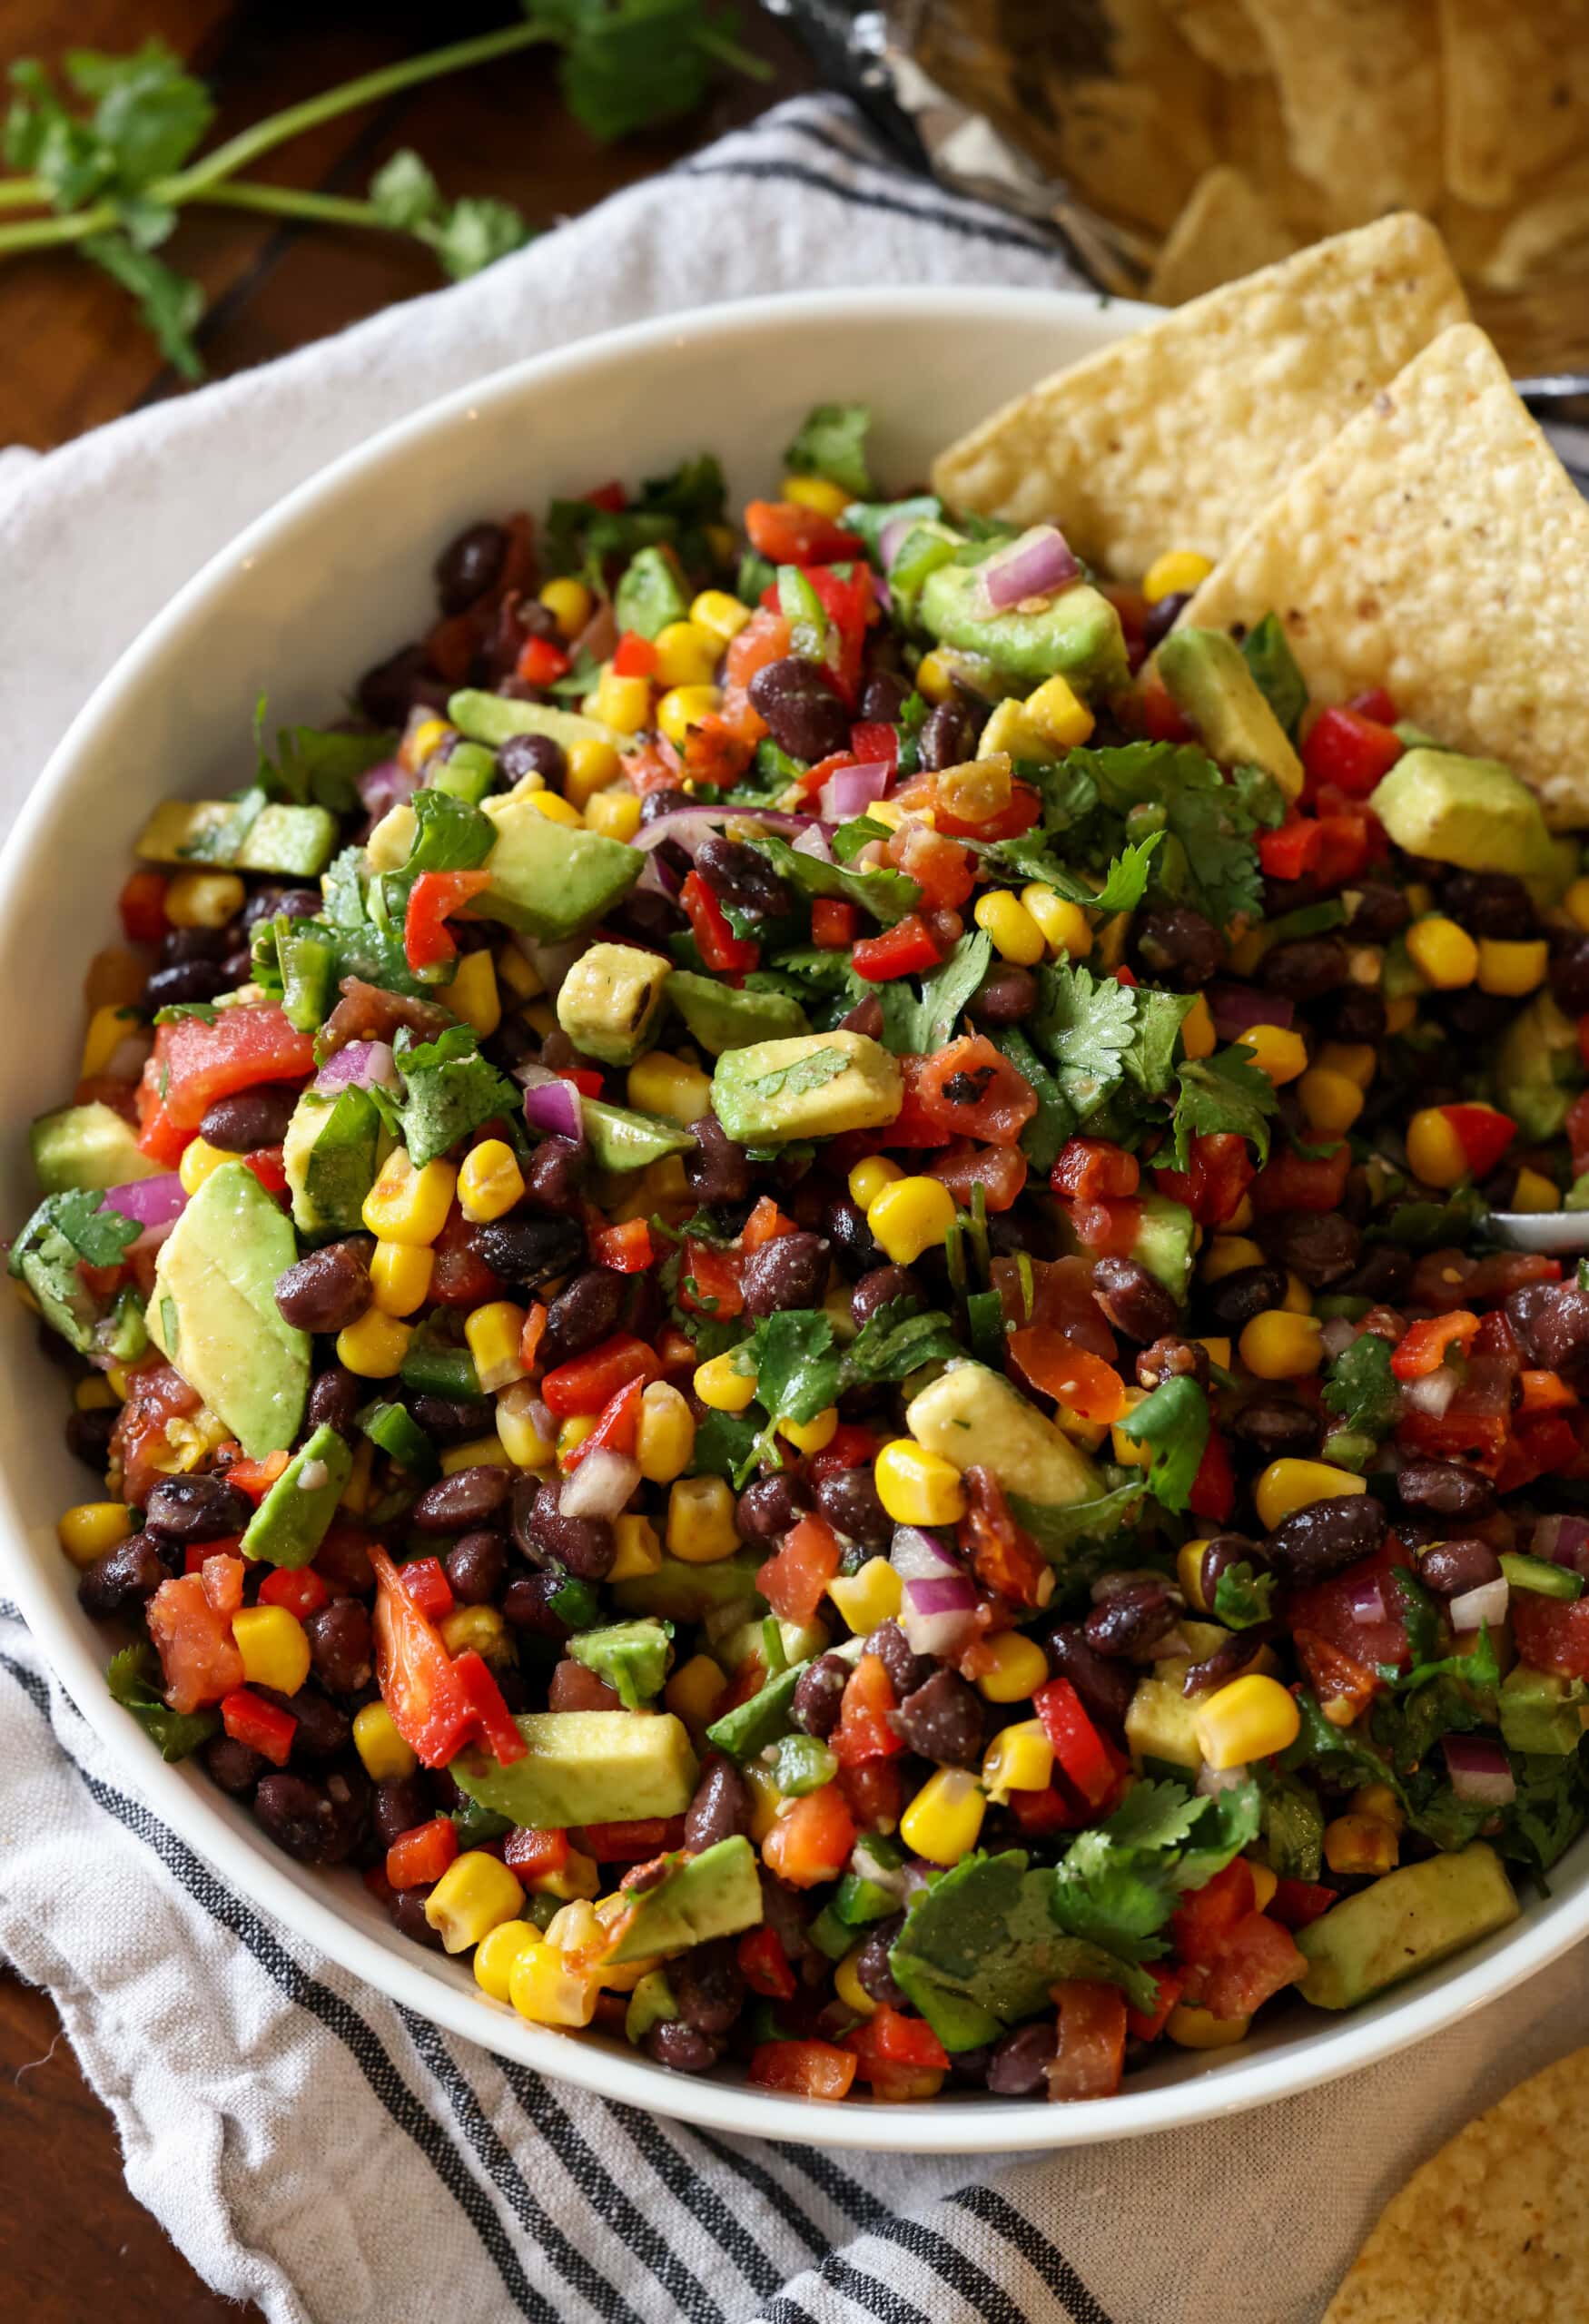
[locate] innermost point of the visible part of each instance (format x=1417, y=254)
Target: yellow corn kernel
x=615, y=813
x=1534, y=1191
x=1066, y=929
x=1191, y=2028
x=518, y=974
x=93, y=1527
x=479, y=1452
x=473, y=995
x=389, y=843
x=197, y=1159
x=933, y=682
x=1175, y=574
x=569, y=602
x=812, y=1435
x=1330, y=1101
x=868, y=1598
x=546, y=1989
x=1401, y=1012
x=1444, y=954
x=578, y=1881
x=274, y=1647
x=687, y=654
x=944, y=1818
x=117, y=1381
x=495, y=1334
x=723, y=615
x=1512, y=968
x=382, y=1749
x=1577, y=901
x=765, y=1801
x=478, y=1629
x=1189, y=1570
x=1018, y=1667
x=1264, y=1885
x=355, y=1497
x=1298, y=1299
x=489, y=1180
x=910, y=1215
x=410, y=1206
x=1016, y=935
x=400, y=1276
x=1251, y=1718
x=1128, y=1452
x=108, y=1028
x=1288, y=1485
x=848, y=1986
x=556, y=809
x=1357, y=1059
x=917, y=1487
x=667, y=1436
x=203, y=898
x=1279, y=1346
x=425, y=735
x=721, y=1387
x=818, y=492
x=1360, y=1843
x=1246, y=952
x=889, y=813
x=1197, y=1037
x=519, y=1415
x=1009, y=733
x=1019, y=1759
x=1277, y=1050
x=623, y=704
x=700, y=1520
x=681, y=707
x=95, y=1394
x=638, y=1550
x=1434, y=1151
x=696, y=1687
x=1228, y=1254
x=1060, y=714
x=497, y=1952
x=1378, y=1799
x=572, y=1434
x=1088, y=1434
x=669, y=1085
x=868, y=1179
x=592, y=766
x=374, y=1347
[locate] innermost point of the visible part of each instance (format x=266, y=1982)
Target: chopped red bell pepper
x=142, y=904
x=540, y=663
x=874, y=743
x=610, y=497
x=536, y=1856
x=892, y=2039
x=785, y=533
x=709, y=1282
x=1293, y=1181
x=834, y=924
x=587, y=1383
x=722, y=952
x=1295, y=1903
x=1147, y=2028
x=1377, y=704
x=635, y=1841
x=765, y=1224
x=850, y=1446
x=298, y=1588
x=494, y=1722
x=909, y=948
x=264, y=1726
x=419, y=1680
x=269, y=1166
x=1211, y=1494
x=1086, y=1758
x=585, y=1079
x=1346, y=842
x=225, y=1545
x=626, y=1248
x=1041, y=1812
x=617, y=1429
x=765, y=1964
x=1205, y=1918
x=255, y=1478
x=416, y=1858
x=158, y=1136
x=1291, y=852
x=432, y=899
x=428, y=1587
x=1221, y=1172
x=1093, y=1169
x=794, y=1579
x=1421, y=1348
x=1343, y=747
x=802, y=2069
x=1483, y=1133
x=1161, y=715
x=633, y=656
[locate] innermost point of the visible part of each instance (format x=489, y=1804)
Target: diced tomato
x=1346, y=842
x=635, y=1841
x=1001, y=1171
x=198, y=1654
x=1375, y=702
x=264, y=1726
x=794, y=1579
x=587, y=1383
x=1257, y=1960
x=1093, y=1169
x=535, y=1855
x=723, y=953
x=1004, y=1559
x=1220, y=1172
x=432, y=899
x=913, y=1125
x=978, y=800
x=1483, y=1133
x=461, y=1277
x=834, y=924
x=1544, y=1392
x=269, y=1166
x=618, y=1430
x=889, y=2038
x=540, y=663
x=810, y=1841
x=1061, y=1369
x=765, y=638
x=158, y=1136
x=1358, y=1611
x=850, y=1446
x=708, y=1282
x=1334, y=1675
x=1551, y=1633
x=1211, y=1494
x=421, y=1855
x=243, y=1047
x=850, y=604
x=802, y=2069
x=633, y=656
x=1206, y=1916
x=426, y=1584
x=1345, y=748
x=1041, y=1812
x=585, y=1079
x=255, y=1478
x=417, y=1681
x=1109, y=1230
x=1087, y=1759
x=765, y=1964
x=494, y=1722
x=298, y=1588
x=765, y=1224
x=156, y=1395
x=974, y=1092
x=1422, y=1346
x=1541, y=1444
x=1296, y=1903
x=142, y=904
x=1291, y=853
x=940, y=867
x=1091, y=2046
x=1293, y=1181
x=864, y=1731
x=874, y=743
x=785, y=533
x=909, y=948
x=626, y=1248
x=1162, y=717
x=1147, y=2026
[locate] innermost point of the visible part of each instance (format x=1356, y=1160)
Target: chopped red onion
x=813, y=842
x=1433, y=1393
x=1236, y=1007
x=381, y=787
x=1479, y=1769
x=938, y=1617
x=1488, y=1604
x=917, y=1555
x=1212, y=1781
x=852, y=788
x=148, y=1202
x=1564, y=1540
x=552, y=1105
x=1337, y=1336
x=362, y=1065
x=892, y=538
x=1039, y=565
x=599, y=1486
x=1366, y=1599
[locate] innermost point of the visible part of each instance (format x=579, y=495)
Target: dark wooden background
x=74, y=2245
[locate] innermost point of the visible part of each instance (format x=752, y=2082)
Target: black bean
x=328, y=1290
x=127, y=1575
x=971, y=2066
x=583, y=1314
x=451, y=1420
x=401, y=1804
x=233, y=1765
x=88, y=1436
x=874, y=1973
x=1451, y=1568
x=883, y=696
x=848, y=1499
x=468, y=1498
x=880, y=1289
x=317, y=1823
x=1314, y=1542
x=1172, y=1358
x=945, y=739
x=906, y=1669
x=1490, y=903
x=289, y=903
x=866, y=1017
x=1006, y=995
x=1552, y=1323
x=1382, y=912
x=334, y=1400
x=666, y=800
x=1475, y=1016
x=1129, y=1619
x=1306, y=969
x=554, y=1174
x=1015, y=2068
x=523, y=754
x=814, y=1703
x=191, y=980
x=1357, y=1014
x=1382, y=1275
x=476, y=1568
x=529, y=1250
x=250, y=1118
x=1320, y=1245
x=803, y=714
x=1445, y=1489
x=196, y=1509
x=1105, y=1687
x=324, y=1728
x=1162, y=616
x=180, y=945
x=1135, y=1302
x=721, y=1806
x=789, y=1271
x=740, y=877
x=469, y=565
x=1220, y=1555
x=1276, y=1426
x=526, y=1605
x=709, y=1985
x=1228, y=1660
x=1180, y=947
x=766, y=1510
x=393, y=687
x=844, y=1222
x=943, y=1720
x=406, y=1911
x=1569, y=974
x=342, y=1646
x=584, y=1545
x=717, y=1171
x=671, y=2043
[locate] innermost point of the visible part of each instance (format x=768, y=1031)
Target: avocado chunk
x=292, y=1520
x=715, y=1894
x=973, y=1417
x=610, y=1000
x=1405, y=1922
x=1472, y=813
x=813, y=1085
x=468, y=772
x=1161, y=1723
x=586, y=1766
x=799, y=1640
x=751, y=1725
x=1537, y=1068
x=651, y=593
x=1208, y=676
x=1541, y=1711
x=632, y=1657
x=493, y=719
x=680, y=1592
x=619, y=1139
x=89, y=1147
x=1164, y=1244
x=721, y=1019
x=333, y=1151
x=548, y=879
x=298, y=842
x=651, y=2004
x=1076, y=635
x=213, y=1315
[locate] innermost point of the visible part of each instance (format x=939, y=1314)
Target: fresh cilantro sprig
x=1224, y=1092
x=1173, y=1422
x=1360, y=1387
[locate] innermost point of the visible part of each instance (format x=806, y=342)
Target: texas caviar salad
x=782, y=1283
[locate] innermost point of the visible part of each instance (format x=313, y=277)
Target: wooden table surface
x=74, y=2245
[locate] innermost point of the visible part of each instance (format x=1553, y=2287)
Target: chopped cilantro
x=886, y=895
x=919, y=1028
x=133, y=1677
x=1120, y=1882
x=1055, y=1118
x=1079, y=1539
x=1173, y=1421
x=895, y=1342
x=1360, y=1387
x=451, y=836
x=1226, y=1092
x=1242, y=1597
x=448, y=1090
x=315, y=766
x=812, y=1071
x=793, y=1360
x=1206, y=815
x=1268, y=654
x=1084, y=1023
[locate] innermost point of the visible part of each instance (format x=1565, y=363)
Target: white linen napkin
x=310, y=2145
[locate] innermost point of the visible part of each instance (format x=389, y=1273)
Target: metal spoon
x=1555, y=1234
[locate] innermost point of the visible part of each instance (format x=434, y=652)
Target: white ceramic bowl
x=329, y=582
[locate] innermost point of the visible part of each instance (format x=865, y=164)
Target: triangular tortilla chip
x=1176, y=435
x=1228, y=229
x=1438, y=547
x=1360, y=88
x=1516, y=92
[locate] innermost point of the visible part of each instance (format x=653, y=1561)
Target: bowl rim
x=964, y=2125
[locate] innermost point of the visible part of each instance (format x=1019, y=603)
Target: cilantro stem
x=287, y=201
x=22, y=193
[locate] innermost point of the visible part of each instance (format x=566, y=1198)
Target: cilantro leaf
x=313, y=764
x=831, y=443
x=1224, y=1092
x=895, y=1342
x=170, y=303
x=448, y=1090
x=1119, y=1883
x=64, y=1232
x=1055, y=1118
x=1150, y=1060
x=98, y=1235
x=1267, y=651
x=887, y=895
x=1173, y=1421
x=793, y=1361
x=812, y=1071
x=1242, y=1597
x=1079, y=1539
x=1083, y=1021
x=1204, y=813
x=133, y=1677
x=149, y=112
x=1360, y=1386
x=465, y=235
x=923, y=1026
x=628, y=64
x=452, y=835
x=1126, y=881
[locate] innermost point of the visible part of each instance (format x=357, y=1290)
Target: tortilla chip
x=1178, y=435
x=1227, y=230
x=1221, y=31
x=1134, y=153
x=1494, y=2229
x=1251, y=132
x=1548, y=234
x=1516, y=92
x=1432, y=548
x=1360, y=88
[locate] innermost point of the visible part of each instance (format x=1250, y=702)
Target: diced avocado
x=333, y=1151
x=390, y=844
x=651, y=593
x=609, y=1001
x=621, y=1139
x=307, y=955
x=720, y=1019
x=1160, y=1723
x=1472, y=812
x=493, y=719
x=586, y=1766
x=213, y=1315
x=813, y=1085
x=800, y=1641
x=857, y=1900
x=1208, y=676
x=295, y=840
x=292, y=1520
x=632, y=1657
x=1405, y=1922
x=1541, y=1711
x=1164, y=1242
x=1537, y=1068
x=86, y=1146
x=1076, y=635
x=469, y=772
x=550, y=879
x=973, y=1417
x=681, y=1592
x=651, y=2004
x=715, y=1894
x=751, y=1725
